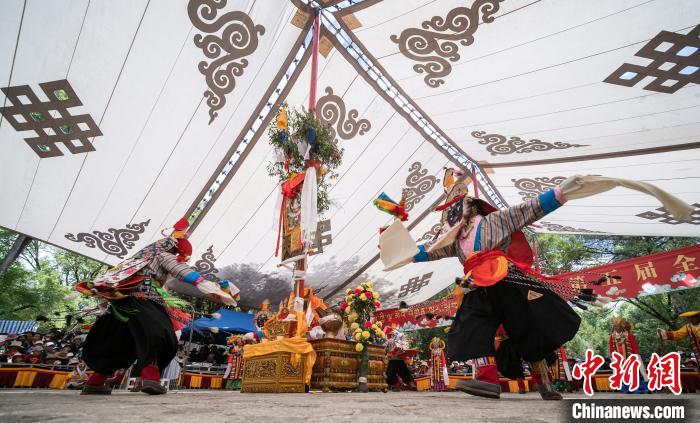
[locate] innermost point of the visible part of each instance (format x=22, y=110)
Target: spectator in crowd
x=211, y=359
x=35, y=357
x=76, y=345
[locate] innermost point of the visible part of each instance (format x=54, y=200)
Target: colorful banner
x=646, y=275
x=414, y=317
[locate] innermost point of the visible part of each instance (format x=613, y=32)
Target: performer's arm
x=499, y=225
x=675, y=335
x=424, y=255
x=177, y=269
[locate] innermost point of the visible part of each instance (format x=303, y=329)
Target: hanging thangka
x=292, y=245
x=305, y=155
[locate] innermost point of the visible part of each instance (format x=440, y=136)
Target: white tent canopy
x=178, y=96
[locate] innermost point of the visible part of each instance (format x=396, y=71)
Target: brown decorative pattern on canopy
x=227, y=52
x=531, y=188
x=35, y=115
x=663, y=216
x=414, y=285
x=666, y=64
x=205, y=265
x=555, y=227
x=331, y=110
x=116, y=242
x=430, y=235
x=418, y=183
x=436, y=42
x=501, y=145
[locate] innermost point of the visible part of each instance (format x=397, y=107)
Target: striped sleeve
x=169, y=263
x=496, y=228
x=448, y=251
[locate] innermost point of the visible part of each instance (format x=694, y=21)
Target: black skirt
x=537, y=321
x=146, y=337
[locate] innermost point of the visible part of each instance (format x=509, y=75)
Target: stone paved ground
x=226, y=406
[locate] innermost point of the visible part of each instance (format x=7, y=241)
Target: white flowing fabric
x=396, y=247
x=577, y=186
x=309, y=209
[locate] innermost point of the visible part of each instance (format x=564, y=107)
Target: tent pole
x=314, y=61
x=301, y=265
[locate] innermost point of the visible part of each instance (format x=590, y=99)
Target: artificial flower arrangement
x=359, y=305
x=302, y=141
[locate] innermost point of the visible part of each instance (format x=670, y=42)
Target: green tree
x=564, y=253
x=39, y=281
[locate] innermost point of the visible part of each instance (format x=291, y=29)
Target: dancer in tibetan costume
x=439, y=379
x=622, y=341
x=500, y=286
x=140, y=318
x=690, y=330
x=398, y=352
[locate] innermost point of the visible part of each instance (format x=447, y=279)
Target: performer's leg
x=406, y=375
x=392, y=371
x=540, y=375
x=108, y=347
x=521, y=385
x=155, y=344
x=471, y=337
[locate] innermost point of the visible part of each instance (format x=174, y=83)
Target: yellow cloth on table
x=295, y=346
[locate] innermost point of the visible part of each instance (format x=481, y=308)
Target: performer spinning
x=500, y=286
x=690, y=330
x=140, y=318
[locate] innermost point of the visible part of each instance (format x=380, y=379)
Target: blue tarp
x=230, y=322
x=18, y=326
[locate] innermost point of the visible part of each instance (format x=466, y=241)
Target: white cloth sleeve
x=579, y=186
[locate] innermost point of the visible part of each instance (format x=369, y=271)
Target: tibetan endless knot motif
x=414, y=285
x=499, y=144
x=116, y=242
x=418, y=183
x=205, y=265
x=238, y=39
x=323, y=237
x=555, y=227
x=331, y=110
x=672, y=67
x=430, y=235
x=436, y=42
x=662, y=215
x=50, y=120
x=531, y=188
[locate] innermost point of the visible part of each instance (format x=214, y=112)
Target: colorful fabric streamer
x=387, y=205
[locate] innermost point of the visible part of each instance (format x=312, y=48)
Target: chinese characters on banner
x=664, y=372
x=652, y=274
x=415, y=317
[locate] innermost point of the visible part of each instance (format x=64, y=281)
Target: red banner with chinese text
x=414, y=318
x=646, y=275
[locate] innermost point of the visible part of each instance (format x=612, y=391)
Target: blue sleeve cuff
x=191, y=277
x=422, y=254
x=548, y=201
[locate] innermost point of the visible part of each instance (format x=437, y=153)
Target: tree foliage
x=564, y=253
x=39, y=281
